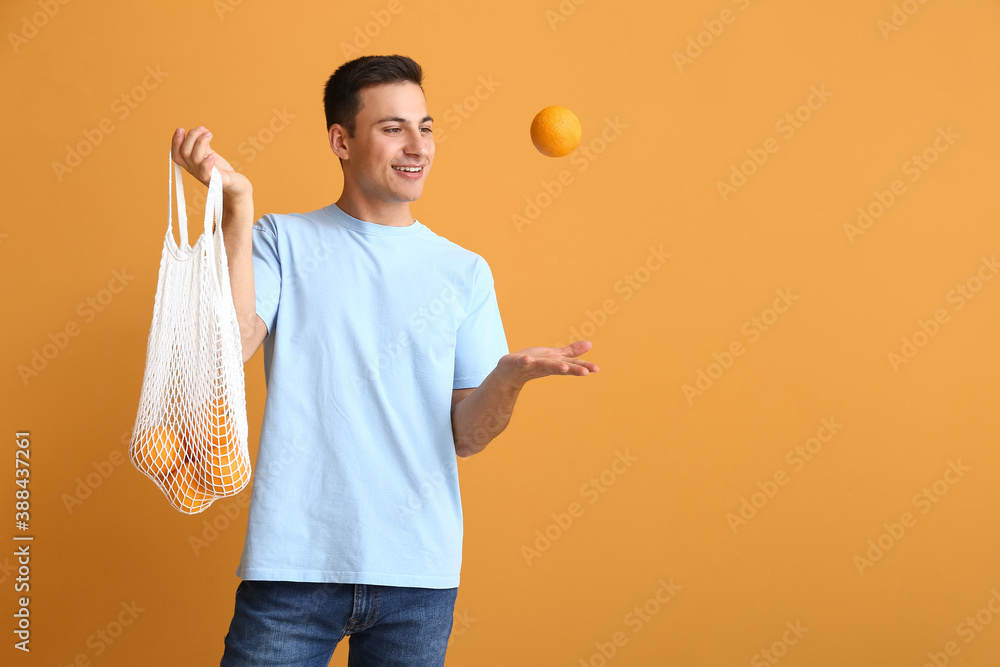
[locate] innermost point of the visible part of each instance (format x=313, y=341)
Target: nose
x=417, y=144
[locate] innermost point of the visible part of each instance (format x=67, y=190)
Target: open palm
x=537, y=362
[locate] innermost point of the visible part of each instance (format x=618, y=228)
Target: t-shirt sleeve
x=266, y=270
x=481, y=340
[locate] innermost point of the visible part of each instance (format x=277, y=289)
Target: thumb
x=207, y=164
x=576, y=348
x=203, y=170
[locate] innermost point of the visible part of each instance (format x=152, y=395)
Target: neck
x=392, y=214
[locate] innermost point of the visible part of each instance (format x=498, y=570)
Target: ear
x=338, y=141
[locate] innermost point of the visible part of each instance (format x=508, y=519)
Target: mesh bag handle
x=175, y=169
x=213, y=205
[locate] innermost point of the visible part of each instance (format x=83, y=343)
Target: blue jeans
x=295, y=623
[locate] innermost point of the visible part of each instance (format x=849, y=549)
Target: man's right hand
x=191, y=151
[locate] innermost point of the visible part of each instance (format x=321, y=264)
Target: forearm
x=237, y=232
x=483, y=414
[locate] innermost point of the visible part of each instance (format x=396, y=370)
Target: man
x=385, y=357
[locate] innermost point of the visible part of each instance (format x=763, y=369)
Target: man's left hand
x=536, y=362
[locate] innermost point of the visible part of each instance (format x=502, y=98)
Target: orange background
x=682, y=127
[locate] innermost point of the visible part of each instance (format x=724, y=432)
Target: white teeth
x=410, y=169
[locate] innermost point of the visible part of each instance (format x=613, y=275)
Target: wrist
x=509, y=376
x=238, y=201
x=238, y=194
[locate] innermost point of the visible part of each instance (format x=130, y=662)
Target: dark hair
x=341, y=98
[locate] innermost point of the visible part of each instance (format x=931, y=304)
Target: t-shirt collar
x=374, y=228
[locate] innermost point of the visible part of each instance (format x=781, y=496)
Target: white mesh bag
x=190, y=434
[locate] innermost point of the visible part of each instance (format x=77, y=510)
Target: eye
x=427, y=128
x=391, y=129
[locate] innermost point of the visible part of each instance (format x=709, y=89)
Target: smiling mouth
x=409, y=170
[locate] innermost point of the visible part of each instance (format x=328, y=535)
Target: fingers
x=191, y=151
x=195, y=148
x=175, y=145
x=560, y=359
x=570, y=366
x=565, y=366
x=581, y=368
x=577, y=348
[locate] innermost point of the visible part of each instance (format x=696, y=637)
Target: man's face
x=392, y=130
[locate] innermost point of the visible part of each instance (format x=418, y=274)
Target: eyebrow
x=397, y=119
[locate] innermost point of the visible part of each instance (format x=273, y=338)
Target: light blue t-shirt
x=370, y=328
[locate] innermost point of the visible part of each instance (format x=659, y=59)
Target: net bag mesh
x=190, y=434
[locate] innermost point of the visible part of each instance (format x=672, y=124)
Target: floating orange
x=158, y=451
x=556, y=131
x=186, y=491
